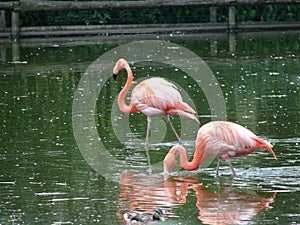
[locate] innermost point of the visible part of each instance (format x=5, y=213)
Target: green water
x=46, y=178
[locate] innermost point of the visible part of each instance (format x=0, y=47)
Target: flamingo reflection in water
x=144, y=193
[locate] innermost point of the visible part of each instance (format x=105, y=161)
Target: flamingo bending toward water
x=152, y=97
x=217, y=138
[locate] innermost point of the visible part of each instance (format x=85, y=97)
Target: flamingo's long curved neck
x=122, y=96
x=195, y=163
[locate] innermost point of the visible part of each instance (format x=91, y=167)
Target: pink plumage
x=218, y=138
x=153, y=97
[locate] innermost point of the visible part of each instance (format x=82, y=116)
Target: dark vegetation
x=249, y=13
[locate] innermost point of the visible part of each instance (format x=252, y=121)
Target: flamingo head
x=120, y=65
x=170, y=160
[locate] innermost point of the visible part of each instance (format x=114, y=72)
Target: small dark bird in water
x=143, y=218
x=158, y=214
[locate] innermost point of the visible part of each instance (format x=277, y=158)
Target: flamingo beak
x=115, y=76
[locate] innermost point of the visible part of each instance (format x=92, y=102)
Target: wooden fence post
x=213, y=14
x=3, y=27
x=2, y=20
x=15, y=46
x=231, y=16
x=15, y=25
x=15, y=32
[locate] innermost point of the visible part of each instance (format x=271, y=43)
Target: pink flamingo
x=217, y=138
x=152, y=97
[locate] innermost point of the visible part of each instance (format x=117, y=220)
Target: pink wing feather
x=223, y=137
x=160, y=94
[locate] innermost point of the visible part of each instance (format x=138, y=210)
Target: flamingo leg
x=229, y=163
x=231, y=167
x=149, y=119
x=218, y=166
x=167, y=118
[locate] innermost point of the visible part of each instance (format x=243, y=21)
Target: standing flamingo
x=153, y=97
x=217, y=138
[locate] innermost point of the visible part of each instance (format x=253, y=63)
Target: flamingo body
x=158, y=97
x=152, y=97
x=218, y=138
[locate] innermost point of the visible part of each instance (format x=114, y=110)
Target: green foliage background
x=259, y=13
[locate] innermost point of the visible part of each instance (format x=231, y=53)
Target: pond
x=69, y=156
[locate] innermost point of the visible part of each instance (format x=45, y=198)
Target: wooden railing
x=62, y=33
x=15, y=31
x=42, y=5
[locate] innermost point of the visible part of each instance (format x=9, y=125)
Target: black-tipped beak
x=115, y=76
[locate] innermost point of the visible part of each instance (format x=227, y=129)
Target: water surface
x=45, y=179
